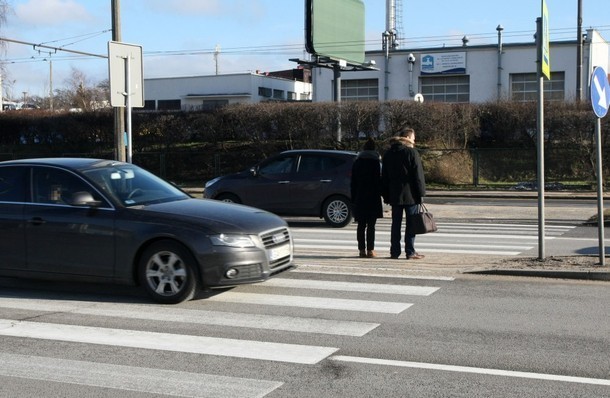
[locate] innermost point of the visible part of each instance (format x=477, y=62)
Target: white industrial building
x=464, y=74
x=212, y=91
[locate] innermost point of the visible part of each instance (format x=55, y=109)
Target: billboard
x=335, y=29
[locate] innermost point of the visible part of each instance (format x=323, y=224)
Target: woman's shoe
x=371, y=254
x=415, y=256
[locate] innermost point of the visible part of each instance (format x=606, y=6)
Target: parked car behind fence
x=293, y=183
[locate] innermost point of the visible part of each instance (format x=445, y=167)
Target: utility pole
x=579, y=53
x=216, y=53
x=50, y=84
x=1, y=93
x=119, y=112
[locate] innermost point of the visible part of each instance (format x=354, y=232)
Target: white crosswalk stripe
x=201, y=317
x=211, y=311
x=458, y=238
x=131, y=378
x=352, y=287
x=312, y=302
x=292, y=353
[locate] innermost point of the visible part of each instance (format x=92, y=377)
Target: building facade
x=209, y=92
x=468, y=74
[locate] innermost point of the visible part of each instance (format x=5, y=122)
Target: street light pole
x=579, y=53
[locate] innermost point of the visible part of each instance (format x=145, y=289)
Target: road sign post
x=126, y=82
x=600, y=100
x=543, y=69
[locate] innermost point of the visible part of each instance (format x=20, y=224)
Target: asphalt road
x=341, y=327
x=311, y=335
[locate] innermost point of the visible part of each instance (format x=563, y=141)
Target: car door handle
x=36, y=221
x=283, y=182
x=326, y=181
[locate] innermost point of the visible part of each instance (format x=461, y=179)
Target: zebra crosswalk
x=456, y=238
x=270, y=311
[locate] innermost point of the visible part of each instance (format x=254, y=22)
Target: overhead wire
x=412, y=42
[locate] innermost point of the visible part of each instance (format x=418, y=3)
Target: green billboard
x=335, y=29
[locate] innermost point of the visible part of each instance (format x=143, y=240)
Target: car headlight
x=211, y=182
x=232, y=240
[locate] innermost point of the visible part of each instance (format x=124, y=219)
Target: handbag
x=421, y=222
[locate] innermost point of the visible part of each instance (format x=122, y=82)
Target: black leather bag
x=421, y=223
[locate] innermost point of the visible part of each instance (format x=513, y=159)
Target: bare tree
x=4, y=11
x=81, y=93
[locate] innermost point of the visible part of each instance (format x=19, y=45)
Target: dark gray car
x=101, y=220
x=293, y=183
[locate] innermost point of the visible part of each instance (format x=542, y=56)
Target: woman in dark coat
x=366, y=197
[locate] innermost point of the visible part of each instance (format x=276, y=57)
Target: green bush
x=493, y=141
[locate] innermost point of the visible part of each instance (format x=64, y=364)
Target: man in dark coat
x=366, y=197
x=403, y=187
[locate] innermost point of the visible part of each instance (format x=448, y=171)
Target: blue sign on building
x=443, y=63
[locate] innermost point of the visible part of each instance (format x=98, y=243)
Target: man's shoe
x=362, y=254
x=371, y=254
x=394, y=257
x=415, y=256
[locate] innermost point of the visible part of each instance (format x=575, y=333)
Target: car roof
x=321, y=152
x=69, y=163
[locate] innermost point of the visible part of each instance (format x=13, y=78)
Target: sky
x=181, y=37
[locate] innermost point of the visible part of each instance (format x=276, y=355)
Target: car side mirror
x=84, y=198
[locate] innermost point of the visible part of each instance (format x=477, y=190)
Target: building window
x=150, y=105
x=278, y=94
x=265, y=92
x=446, y=88
x=360, y=90
x=524, y=87
x=292, y=96
x=209, y=105
x=169, y=105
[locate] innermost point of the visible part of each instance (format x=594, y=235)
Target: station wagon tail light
x=232, y=240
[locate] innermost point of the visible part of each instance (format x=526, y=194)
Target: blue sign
x=443, y=63
x=600, y=92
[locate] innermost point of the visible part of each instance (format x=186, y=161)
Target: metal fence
x=474, y=167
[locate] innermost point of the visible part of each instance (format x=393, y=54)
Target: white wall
x=481, y=66
x=235, y=88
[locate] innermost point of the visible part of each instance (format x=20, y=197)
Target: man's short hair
x=407, y=132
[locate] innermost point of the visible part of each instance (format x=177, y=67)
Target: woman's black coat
x=366, y=186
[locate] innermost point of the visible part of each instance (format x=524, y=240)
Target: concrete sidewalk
x=445, y=207
x=441, y=265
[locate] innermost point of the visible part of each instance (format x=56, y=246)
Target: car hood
x=219, y=216
x=236, y=176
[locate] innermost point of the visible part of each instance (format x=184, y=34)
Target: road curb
x=556, y=274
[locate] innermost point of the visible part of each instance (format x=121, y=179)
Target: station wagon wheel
x=228, y=197
x=337, y=211
x=167, y=272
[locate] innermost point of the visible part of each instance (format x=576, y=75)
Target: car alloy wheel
x=167, y=273
x=337, y=212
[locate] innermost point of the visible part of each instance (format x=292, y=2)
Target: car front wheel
x=167, y=272
x=337, y=212
x=229, y=198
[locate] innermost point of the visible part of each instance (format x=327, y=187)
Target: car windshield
x=133, y=186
